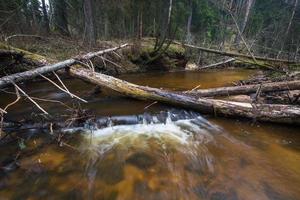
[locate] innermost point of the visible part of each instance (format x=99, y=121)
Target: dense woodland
x=150, y=99
x=269, y=27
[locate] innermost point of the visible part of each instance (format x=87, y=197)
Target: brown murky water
x=190, y=157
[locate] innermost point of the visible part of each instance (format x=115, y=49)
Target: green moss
x=147, y=46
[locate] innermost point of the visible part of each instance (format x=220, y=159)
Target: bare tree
x=249, y=4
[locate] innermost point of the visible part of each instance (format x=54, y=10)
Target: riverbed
x=147, y=150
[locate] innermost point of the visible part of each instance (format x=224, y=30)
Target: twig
x=22, y=35
x=117, y=54
x=195, y=88
x=6, y=107
x=41, y=99
x=219, y=63
x=3, y=111
x=62, y=83
x=155, y=102
x=37, y=105
x=92, y=66
x=111, y=62
x=72, y=95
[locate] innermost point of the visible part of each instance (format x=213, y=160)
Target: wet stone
x=141, y=160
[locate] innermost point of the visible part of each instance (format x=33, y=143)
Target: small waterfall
x=173, y=140
x=186, y=131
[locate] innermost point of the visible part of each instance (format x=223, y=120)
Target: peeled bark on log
x=262, y=112
x=23, y=76
x=247, y=89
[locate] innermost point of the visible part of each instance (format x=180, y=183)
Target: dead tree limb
x=261, y=112
x=23, y=76
x=218, y=64
x=3, y=111
x=30, y=99
x=247, y=89
x=239, y=55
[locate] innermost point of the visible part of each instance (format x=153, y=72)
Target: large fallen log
x=247, y=89
x=23, y=76
x=237, y=55
x=262, y=112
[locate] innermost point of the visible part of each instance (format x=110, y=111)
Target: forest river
x=146, y=150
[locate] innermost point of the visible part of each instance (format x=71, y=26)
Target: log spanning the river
x=247, y=89
x=261, y=112
x=23, y=76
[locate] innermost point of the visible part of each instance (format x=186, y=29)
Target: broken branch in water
x=66, y=91
x=3, y=111
x=28, y=97
x=6, y=107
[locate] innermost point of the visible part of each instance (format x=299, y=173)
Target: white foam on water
x=189, y=137
x=182, y=131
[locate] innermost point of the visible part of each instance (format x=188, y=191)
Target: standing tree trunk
x=89, y=32
x=249, y=5
x=189, y=24
x=140, y=24
x=292, y=18
x=170, y=14
x=60, y=21
x=288, y=28
x=45, y=17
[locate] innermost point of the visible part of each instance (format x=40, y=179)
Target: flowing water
x=141, y=150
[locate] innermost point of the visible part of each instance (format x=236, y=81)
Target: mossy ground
x=128, y=61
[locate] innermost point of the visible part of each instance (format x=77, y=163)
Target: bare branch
x=35, y=103
x=66, y=91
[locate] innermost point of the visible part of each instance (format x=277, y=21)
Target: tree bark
x=90, y=32
x=170, y=13
x=245, y=21
x=262, y=112
x=247, y=89
x=189, y=24
x=60, y=21
x=23, y=76
x=45, y=17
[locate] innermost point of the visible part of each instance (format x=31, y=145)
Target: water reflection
x=154, y=154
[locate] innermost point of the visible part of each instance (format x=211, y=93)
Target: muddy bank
x=134, y=59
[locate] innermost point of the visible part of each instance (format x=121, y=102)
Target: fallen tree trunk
x=23, y=76
x=262, y=112
x=218, y=64
x=237, y=55
x=246, y=89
